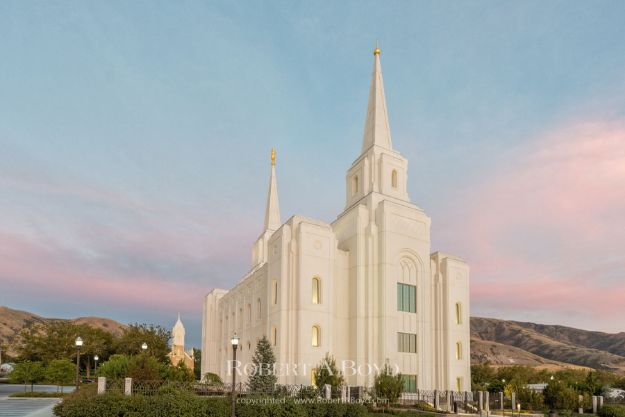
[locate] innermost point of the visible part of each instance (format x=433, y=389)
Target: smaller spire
x=272, y=213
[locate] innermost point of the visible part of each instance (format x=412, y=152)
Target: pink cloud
x=545, y=229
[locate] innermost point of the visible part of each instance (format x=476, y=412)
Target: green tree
x=55, y=339
x=328, y=373
x=145, y=367
x=115, y=368
x=197, y=363
x=559, y=396
x=387, y=385
x=180, y=373
x=27, y=372
x=156, y=337
x=213, y=379
x=60, y=372
x=263, y=377
x=482, y=376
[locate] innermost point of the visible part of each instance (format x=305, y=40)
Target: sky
x=135, y=140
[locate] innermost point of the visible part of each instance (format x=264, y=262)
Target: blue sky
x=134, y=143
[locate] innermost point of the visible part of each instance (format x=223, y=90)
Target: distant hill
x=499, y=342
x=13, y=321
x=503, y=342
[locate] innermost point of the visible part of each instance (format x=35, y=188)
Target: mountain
x=12, y=321
x=504, y=342
x=499, y=342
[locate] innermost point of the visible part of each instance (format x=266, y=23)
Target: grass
x=38, y=395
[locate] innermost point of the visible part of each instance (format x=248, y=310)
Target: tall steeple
x=377, y=130
x=272, y=213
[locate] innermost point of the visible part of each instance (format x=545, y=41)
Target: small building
x=178, y=354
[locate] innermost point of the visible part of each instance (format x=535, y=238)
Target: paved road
x=27, y=407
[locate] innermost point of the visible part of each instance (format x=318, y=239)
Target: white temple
x=365, y=288
x=178, y=354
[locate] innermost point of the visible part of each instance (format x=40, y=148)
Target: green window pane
x=399, y=298
x=413, y=300
x=406, y=298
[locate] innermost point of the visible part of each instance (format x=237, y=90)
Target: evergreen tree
x=387, y=385
x=328, y=373
x=263, y=378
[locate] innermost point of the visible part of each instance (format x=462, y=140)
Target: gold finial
x=273, y=156
x=376, y=51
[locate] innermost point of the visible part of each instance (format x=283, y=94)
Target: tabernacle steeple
x=272, y=214
x=377, y=130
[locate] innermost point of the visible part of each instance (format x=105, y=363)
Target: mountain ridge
x=495, y=341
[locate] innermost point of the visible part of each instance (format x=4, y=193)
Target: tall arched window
x=274, y=335
x=394, y=179
x=259, y=307
x=316, y=336
x=316, y=290
x=249, y=313
x=275, y=292
x=355, y=185
x=458, y=350
x=458, y=313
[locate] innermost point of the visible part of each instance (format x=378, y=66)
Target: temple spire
x=272, y=214
x=377, y=131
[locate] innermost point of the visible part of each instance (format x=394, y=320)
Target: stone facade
x=365, y=288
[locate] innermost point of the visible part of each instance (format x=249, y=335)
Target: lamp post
x=235, y=344
x=78, y=343
x=144, y=347
x=95, y=359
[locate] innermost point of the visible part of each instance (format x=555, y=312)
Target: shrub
x=559, y=396
x=37, y=394
x=612, y=410
x=115, y=368
x=85, y=403
x=213, y=379
x=387, y=385
x=144, y=367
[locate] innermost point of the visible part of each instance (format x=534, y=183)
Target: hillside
x=503, y=342
x=12, y=321
x=499, y=342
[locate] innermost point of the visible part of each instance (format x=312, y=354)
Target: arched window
x=275, y=292
x=394, y=179
x=249, y=313
x=316, y=336
x=458, y=313
x=274, y=335
x=316, y=290
x=355, y=185
x=458, y=350
x=313, y=376
x=259, y=307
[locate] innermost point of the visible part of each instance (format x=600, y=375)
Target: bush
x=613, y=410
x=388, y=386
x=85, y=403
x=176, y=403
x=558, y=396
x=37, y=394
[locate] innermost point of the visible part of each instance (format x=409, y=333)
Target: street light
x=144, y=346
x=78, y=343
x=235, y=344
x=95, y=359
